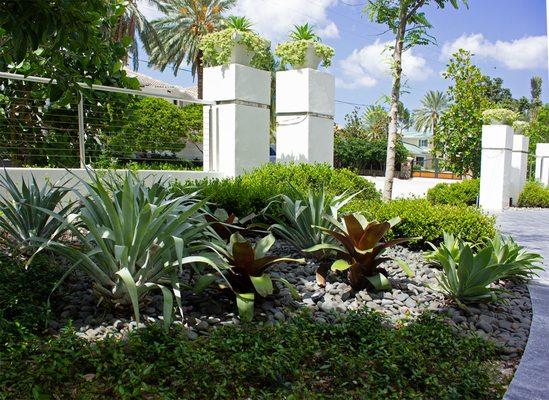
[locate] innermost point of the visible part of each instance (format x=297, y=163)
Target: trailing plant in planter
x=360, y=248
x=499, y=116
x=304, y=49
x=521, y=127
x=218, y=47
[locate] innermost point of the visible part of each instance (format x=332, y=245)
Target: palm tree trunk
x=200, y=74
x=393, y=113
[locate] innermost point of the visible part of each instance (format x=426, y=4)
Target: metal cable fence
x=103, y=127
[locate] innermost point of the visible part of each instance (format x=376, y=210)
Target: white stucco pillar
x=519, y=165
x=305, y=116
x=542, y=163
x=236, y=128
x=495, y=170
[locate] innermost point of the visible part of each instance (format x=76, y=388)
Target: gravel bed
x=507, y=323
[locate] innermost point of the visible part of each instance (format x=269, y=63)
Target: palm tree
x=133, y=24
x=433, y=104
x=180, y=31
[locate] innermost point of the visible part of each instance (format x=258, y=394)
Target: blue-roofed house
x=420, y=146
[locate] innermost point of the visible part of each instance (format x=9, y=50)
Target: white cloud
x=365, y=67
x=527, y=53
x=148, y=10
x=275, y=18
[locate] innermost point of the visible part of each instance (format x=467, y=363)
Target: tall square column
x=519, y=166
x=304, y=115
x=542, y=163
x=495, y=169
x=236, y=127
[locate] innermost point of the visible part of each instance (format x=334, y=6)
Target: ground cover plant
x=357, y=357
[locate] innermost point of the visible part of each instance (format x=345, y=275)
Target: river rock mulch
x=507, y=323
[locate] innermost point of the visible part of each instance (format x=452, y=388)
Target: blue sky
x=508, y=37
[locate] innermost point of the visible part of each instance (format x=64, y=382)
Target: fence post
x=495, y=170
x=305, y=116
x=240, y=119
x=81, y=133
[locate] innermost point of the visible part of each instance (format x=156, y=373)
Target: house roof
x=411, y=134
x=153, y=85
x=416, y=150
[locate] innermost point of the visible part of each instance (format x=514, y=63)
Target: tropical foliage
x=217, y=47
x=243, y=266
x=25, y=212
x=137, y=239
x=304, y=214
x=180, y=30
x=359, y=250
x=433, y=105
x=457, y=139
x=293, y=52
x=469, y=271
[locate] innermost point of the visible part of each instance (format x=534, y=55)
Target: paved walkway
x=530, y=228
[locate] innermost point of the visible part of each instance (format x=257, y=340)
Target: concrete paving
x=530, y=228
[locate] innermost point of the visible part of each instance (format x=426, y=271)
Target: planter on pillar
x=495, y=171
x=238, y=139
x=519, y=166
x=305, y=112
x=542, y=163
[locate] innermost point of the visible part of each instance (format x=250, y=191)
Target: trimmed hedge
x=534, y=195
x=358, y=153
x=423, y=219
x=465, y=192
x=359, y=357
x=250, y=193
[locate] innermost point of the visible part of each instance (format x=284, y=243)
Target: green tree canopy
x=458, y=136
x=156, y=125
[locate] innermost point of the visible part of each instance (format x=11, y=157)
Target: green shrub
x=422, y=219
x=251, y=192
x=361, y=153
x=534, y=195
x=360, y=357
x=465, y=192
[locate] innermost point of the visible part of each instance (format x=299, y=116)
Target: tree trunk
x=393, y=113
x=200, y=74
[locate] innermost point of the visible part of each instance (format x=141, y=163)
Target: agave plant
x=131, y=245
x=450, y=247
x=304, y=32
x=23, y=211
x=359, y=250
x=506, y=251
x=238, y=23
x=244, y=268
x=303, y=216
x=467, y=277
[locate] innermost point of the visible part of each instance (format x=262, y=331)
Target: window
x=424, y=143
x=420, y=161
